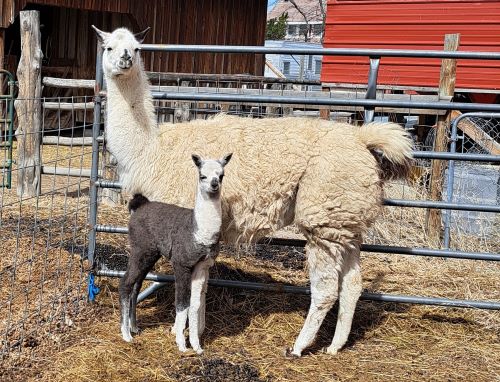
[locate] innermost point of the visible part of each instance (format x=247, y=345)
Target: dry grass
x=246, y=332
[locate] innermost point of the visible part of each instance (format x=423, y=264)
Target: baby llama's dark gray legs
x=139, y=264
x=133, y=305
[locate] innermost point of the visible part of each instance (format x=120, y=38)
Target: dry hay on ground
x=247, y=331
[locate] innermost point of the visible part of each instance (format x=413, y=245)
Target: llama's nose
x=214, y=183
x=126, y=55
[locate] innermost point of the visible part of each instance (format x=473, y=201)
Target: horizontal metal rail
x=364, y=247
x=221, y=97
x=321, y=51
x=279, y=288
x=456, y=156
x=108, y=184
x=441, y=205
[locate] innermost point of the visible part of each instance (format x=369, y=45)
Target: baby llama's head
x=211, y=173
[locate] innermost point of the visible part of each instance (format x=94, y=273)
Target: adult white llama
x=324, y=177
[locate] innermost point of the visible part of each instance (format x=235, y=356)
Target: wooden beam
x=28, y=105
x=67, y=141
x=68, y=83
x=66, y=171
x=89, y=106
x=477, y=135
x=447, y=82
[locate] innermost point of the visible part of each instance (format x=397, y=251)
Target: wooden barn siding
x=412, y=25
x=227, y=22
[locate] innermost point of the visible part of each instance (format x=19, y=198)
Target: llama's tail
x=137, y=201
x=391, y=145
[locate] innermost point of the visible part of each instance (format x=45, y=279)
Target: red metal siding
x=412, y=25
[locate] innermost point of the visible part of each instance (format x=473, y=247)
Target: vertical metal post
x=95, y=154
x=371, y=90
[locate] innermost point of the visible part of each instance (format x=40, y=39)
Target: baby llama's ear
x=142, y=35
x=197, y=160
x=225, y=159
x=101, y=36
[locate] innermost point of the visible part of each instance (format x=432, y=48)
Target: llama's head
x=211, y=173
x=121, y=55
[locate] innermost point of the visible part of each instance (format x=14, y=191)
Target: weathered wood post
x=446, y=89
x=324, y=113
x=2, y=59
x=28, y=105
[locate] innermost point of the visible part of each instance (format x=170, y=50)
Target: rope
x=92, y=289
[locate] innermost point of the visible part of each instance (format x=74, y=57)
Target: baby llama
x=189, y=238
x=324, y=177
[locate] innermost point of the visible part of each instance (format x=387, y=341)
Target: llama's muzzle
x=125, y=60
x=214, y=185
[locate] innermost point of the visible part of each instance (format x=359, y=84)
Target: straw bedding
x=247, y=331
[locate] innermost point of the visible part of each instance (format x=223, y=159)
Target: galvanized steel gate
x=369, y=104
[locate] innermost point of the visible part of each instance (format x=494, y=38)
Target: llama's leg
x=125, y=290
x=182, y=296
x=133, y=305
x=198, y=281
x=201, y=324
x=350, y=287
x=324, y=264
x=139, y=264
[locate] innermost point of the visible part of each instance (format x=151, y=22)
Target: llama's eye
x=136, y=50
x=221, y=177
x=109, y=49
x=203, y=177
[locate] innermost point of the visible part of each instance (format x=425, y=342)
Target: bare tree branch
x=306, y=19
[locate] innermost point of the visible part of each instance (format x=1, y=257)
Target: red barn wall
x=396, y=24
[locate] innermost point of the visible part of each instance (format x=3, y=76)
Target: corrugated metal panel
x=412, y=25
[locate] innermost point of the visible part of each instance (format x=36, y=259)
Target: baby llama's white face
x=211, y=173
x=121, y=53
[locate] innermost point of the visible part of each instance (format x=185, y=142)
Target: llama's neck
x=130, y=116
x=207, y=218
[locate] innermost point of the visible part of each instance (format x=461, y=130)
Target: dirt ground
x=53, y=334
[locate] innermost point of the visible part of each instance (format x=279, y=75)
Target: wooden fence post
x=28, y=105
x=446, y=89
x=324, y=113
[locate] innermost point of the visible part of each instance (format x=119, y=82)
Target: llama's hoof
x=127, y=337
x=290, y=354
x=198, y=351
x=134, y=329
x=332, y=350
x=182, y=349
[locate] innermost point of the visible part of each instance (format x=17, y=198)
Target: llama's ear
x=225, y=159
x=196, y=159
x=102, y=36
x=142, y=35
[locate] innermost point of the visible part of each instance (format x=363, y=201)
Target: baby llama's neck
x=207, y=218
x=131, y=124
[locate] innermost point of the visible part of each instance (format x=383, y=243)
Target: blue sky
x=270, y=4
